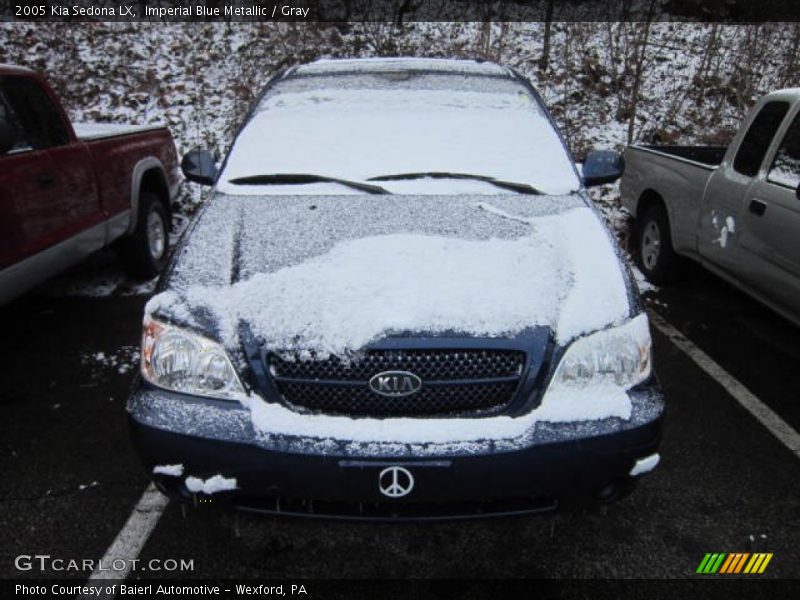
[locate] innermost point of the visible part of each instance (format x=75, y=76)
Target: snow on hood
x=332, y=274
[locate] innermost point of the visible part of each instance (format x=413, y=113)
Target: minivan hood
x=330, y=274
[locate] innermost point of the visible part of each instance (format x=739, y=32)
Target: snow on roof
x=470, y=67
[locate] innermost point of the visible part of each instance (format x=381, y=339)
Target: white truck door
x=770, y=232
x=727, y=191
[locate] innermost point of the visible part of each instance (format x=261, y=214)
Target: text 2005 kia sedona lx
x=399, y=303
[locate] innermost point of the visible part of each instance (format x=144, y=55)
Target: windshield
x=362, y=127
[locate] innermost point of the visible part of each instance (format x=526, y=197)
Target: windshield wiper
x=303, y=178
x=522, y=188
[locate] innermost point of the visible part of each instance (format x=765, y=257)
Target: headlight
x=618, y=357
x=176, y=359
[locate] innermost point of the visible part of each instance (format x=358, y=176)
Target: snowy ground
x=102, y=275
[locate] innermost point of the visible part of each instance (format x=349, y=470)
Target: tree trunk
x=544, y=62
x=637, y=78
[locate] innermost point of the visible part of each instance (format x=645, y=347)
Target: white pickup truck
x=736, y=210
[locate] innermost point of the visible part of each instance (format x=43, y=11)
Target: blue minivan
x=399, y=303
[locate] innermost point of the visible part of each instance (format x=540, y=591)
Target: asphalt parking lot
x=70, y=478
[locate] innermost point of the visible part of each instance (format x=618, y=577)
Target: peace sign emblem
x=395, y=482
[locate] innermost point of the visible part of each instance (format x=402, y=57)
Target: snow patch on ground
x=214, y=484
x=96, y=282
x=171, y=470
x=641, y=281
x=101, y=274
x=123, y=360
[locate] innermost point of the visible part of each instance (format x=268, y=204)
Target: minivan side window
x=785, y=169
x=30, y=110
x=758, y=138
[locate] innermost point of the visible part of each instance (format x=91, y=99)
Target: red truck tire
x=144, y=252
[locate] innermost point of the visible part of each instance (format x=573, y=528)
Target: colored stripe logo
x=734, y=562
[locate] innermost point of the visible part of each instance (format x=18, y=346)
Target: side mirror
x=8, y=137
x=797, y=192
x=198, y=165
x=602, y=166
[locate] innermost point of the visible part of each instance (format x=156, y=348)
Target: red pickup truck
x=67, y=190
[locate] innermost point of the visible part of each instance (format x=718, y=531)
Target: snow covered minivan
x=398, y=304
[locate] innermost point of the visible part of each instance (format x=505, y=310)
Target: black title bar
x=400, y=11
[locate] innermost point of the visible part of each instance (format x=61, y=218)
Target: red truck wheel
x=144, y=252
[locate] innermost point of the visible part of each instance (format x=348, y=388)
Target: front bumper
x=560, y=466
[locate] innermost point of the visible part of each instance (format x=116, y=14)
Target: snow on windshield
x=357, y=127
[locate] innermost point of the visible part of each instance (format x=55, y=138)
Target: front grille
x=428, y=365
x=454, y=382
x=429, y=401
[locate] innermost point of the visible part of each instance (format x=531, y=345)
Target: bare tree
x=544, y=62
x=790, y=76
x=637, y=74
